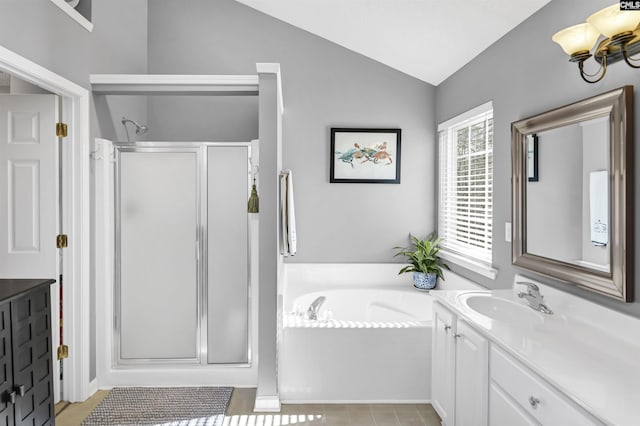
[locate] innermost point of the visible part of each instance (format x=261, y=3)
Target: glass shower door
x=158, y=249
x=227, y=255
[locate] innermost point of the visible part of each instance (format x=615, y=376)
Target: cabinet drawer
x=533, y=395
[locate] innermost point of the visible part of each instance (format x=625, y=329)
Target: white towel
x=599, y=207
x=288, y=239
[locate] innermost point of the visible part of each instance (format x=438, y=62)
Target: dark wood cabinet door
x=6, y=373
x=32, y=365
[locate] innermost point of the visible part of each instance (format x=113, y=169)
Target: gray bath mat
x=203, y=406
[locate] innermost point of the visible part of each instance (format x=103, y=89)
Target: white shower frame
x=267, y=275
x=199, y=148
x=160, y=373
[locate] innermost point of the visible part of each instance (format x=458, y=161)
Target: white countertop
x=587, y=358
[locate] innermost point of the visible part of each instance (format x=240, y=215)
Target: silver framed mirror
x=572, y=193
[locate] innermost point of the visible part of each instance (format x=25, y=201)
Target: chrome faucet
x=534, y=298
x=312, y=312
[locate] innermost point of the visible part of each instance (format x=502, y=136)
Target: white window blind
x=465, y=209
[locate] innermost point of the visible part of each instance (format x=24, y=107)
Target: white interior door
x=29, y=196
x=28, y=212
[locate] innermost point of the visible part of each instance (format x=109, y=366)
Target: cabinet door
x=443, y=364
x=472, y=371
x=504, y=411
x=31, y=345
x=6, y=376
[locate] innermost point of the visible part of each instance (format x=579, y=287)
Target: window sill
x=472, y=265
x=74, y=14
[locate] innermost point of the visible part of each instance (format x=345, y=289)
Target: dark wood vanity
x=26, y=370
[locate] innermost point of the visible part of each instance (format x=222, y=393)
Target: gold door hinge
x=61, y=130
x=61, y=241
x=63, y=352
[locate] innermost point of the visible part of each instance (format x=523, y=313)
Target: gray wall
x=525, y=73
x=325, y=86
x=41, y=32
x=203, y=118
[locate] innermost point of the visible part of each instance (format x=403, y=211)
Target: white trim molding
x=461, y=118
x=173, y=84
x=273, y=68
x=74, y=14
x=470, y=264
x=75, y=220
x=267, y=404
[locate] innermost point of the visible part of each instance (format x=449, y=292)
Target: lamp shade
x=611, y=20
x=577, y=38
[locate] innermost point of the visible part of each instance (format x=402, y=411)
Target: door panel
x=472, y=360
x=24, y=207
x=158, y=255
x=32, y=365
x=28, y=186
x=227, y=289
x=6, y=374
x=443, y=364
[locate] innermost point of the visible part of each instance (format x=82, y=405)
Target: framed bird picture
x=365, y=156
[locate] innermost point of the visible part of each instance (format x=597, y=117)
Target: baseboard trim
x=356, y=401
x=93, y=387
x=267, y=404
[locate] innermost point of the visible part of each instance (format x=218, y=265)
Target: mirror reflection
x=567, y=193
x=572, y=183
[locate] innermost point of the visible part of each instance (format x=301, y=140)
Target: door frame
x=77, y=385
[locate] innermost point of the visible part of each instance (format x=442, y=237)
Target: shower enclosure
x=182, y=243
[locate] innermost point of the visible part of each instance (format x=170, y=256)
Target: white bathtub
x=375, y=348
x=362, y=307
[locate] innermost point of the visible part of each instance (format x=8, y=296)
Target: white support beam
x=270, y=109
x=164, y=84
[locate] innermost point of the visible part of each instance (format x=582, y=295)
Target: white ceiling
x=427, y=39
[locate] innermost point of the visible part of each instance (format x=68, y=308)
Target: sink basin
x=502, y=310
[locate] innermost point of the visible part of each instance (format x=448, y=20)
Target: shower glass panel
x=158, y=281
x=227, y=254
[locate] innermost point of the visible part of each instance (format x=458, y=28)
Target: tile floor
x=240, y=413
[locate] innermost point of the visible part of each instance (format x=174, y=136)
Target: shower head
x=140, y=129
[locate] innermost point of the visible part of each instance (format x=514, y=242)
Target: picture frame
x=365, y=155
x=532, y=158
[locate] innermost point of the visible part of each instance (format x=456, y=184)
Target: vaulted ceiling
x=427, y=39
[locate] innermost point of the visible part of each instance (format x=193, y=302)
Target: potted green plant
x=424, y=262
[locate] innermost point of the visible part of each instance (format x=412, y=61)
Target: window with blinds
x=465, y=209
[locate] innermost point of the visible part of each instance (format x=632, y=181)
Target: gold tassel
x=254, y=201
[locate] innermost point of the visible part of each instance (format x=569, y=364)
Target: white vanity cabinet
x=443, y=365
x=476, y=383
x=517, y=396
x=460, y=371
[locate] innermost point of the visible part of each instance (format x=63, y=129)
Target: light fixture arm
x=603, y=69
x=627, y=59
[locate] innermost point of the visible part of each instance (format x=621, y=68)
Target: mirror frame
x=618, y=106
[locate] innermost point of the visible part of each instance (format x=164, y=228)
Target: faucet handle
x=531, y=287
